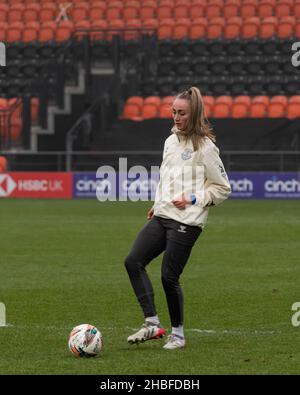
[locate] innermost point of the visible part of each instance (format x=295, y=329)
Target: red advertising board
x=38, y=185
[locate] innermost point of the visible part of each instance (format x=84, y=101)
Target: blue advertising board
x=141, y=185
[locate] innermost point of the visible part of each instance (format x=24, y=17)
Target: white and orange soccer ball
x=85, y=340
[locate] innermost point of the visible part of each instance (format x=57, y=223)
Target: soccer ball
x=85, y=341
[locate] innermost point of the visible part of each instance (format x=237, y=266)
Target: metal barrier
x=90, y=160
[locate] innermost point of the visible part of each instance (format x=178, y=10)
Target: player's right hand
x=150, y=213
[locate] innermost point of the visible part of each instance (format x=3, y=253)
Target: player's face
x=181, y=112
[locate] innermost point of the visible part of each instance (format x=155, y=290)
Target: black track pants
x=177, y=240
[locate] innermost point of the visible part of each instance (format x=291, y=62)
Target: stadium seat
x=258, y=107
x=97, y=10
x=132, y=111
x=3, y=28
x=14, y=32
x=266, y=8
x=47, y=12
x=31, y=12
x=214, y=8
x=30, y=31
x=221, y=110
x=293, y=107
x=156, y=100
x=80, y=11
x=148, y=10
x=168, y=100
x=131, y=10
x=209, y=102
x=239, y=110
x=296, y=8
x=197, y=9
x=165, y=110
x=181, y=29
x=232, y=27
x=138, y=100
x=98, y=25
x=250, y=27
x=47, y=31
x=64, y=30
x=15, y=13
x=181, y=9
x=3, y=12
x=286, y=27
x=114, y=10
x=276, y=110
x=284, y=8
x=132, y=24
x=248, y=8
x=198, y=28
x=268, y=27
x=3, y=164
x=279, y=99
x=165, y=29
x=215, y=28
x=150, y=110
x=231, y=8
x=164, y=10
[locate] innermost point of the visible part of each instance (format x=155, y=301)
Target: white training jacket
x=200, y=173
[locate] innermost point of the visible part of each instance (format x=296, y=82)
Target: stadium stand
x=238, y=52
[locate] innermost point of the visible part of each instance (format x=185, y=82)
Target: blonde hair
x=198, y=126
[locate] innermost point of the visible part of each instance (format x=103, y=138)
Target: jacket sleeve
x=216, y=187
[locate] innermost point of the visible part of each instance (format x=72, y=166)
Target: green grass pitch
x=62, y=265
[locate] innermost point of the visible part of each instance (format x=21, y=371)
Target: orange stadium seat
x=47, y=31
x=248, y=8
x=114, y=10
x=240, y=106
x=150, y=23
x=293, y=107
x=3, y=164
x=181, y=9
x=97, y=10
x=3, y=28
x=15, y=13
x=296, y=8
x=132, y=111
x=181, y=28
x=224, y=99
x=150, y=110
x=132, y=24
x=3, y=12
x=116, y=25
x=215, y=28
x=250, y=27
x=284, y=8
x=268, y=27
x=221, y=110
x=165, y=29
x=48, y=12
x=214, y=8
x=276, y=110
x=81, y=26
x=198, y=28
x=165, y=10
x=279, y=99
x=197, y=9
x=148, y=10
x=98, y=24
x=156, y=100
x=80, y=11
x=31, y=12
x=30, y=31
x=14, y=32
x=209, y=102
x=131, y=10
x=232, y=28
x=231, y=8
x=258, y=107
x=138, y=100
x=266, y=8
x=286, y=27
x=64, y=30
x=165, y=110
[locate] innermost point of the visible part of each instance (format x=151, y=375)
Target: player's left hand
x=181, y=202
